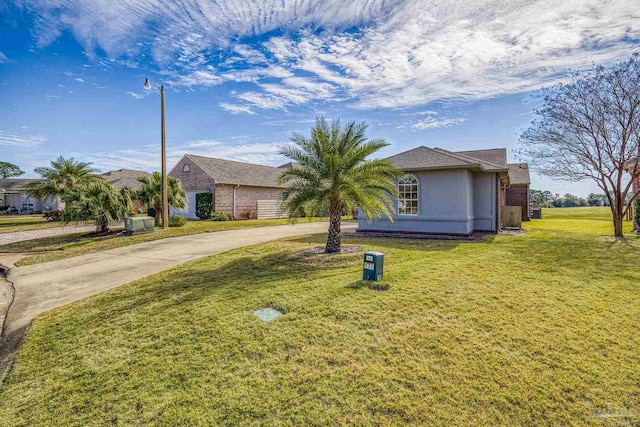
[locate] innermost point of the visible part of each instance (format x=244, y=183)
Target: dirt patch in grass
x=315, y=256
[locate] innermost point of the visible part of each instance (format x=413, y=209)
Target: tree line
x=547, y=199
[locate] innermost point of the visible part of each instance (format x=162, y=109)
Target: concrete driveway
x=42, y=287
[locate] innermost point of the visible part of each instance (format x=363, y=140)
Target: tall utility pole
x=165, y=189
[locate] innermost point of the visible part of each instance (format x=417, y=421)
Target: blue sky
x=242, y=75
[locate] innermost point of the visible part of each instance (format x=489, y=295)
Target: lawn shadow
x=398, y=243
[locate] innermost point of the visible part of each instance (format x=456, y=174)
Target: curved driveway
x=41, y=287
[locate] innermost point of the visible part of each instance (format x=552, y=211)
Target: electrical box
x=138, y=224
x=373, y=266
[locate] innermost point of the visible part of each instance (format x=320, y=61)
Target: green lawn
x=11, y=223
x=75, y=244
x=540, y=329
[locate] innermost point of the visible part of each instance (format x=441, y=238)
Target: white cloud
x=134, y=95
x=16, y=141
x=433, y=122
x=237, y=109
x=4, y=59
x=148, y=157
x=78, y=79
x=407, y=52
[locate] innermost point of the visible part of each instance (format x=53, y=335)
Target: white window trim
x=417, y=193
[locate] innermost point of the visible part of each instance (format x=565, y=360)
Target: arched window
x=186, y=168
x=408, y=195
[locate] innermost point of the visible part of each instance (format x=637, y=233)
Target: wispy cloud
x=404, y=53
x=12, y=140
x=4, y=59
x=148, y=157
x=78, y=79
x=134, y=95
x=237, y=108
x=433, y=121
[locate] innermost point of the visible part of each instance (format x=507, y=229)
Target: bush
x=636, y=214
x=204, y=205
x=177, y=221
x=220, y=216
x=3, y=208
x=52, y=216
x=248, y=214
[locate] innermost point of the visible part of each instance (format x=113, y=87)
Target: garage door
x=190, y=212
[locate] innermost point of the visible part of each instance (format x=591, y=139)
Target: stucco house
x=13, y=192
x=236, y=186
x=445, y=192
x=517, y=193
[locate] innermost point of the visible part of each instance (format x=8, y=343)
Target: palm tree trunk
x=103, y=225
x=333, y=238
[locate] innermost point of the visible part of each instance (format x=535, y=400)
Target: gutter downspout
x=234, y=200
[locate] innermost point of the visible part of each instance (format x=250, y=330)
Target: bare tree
x=589, y=128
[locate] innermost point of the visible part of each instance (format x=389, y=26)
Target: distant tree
x=9, y=170
x=596, y=199
x=335, y=174
x=150, y=194
x=61, y=177
x=589, y=128
x=96, y=201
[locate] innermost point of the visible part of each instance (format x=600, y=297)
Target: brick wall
x=246, y=197
x=193, y=180
x=518, y=195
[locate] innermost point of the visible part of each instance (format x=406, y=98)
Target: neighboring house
x=444, y=192
x=13, y=193
x=125, y=178
x=517, y=193
x=236, y=186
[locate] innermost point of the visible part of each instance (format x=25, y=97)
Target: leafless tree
x=589, y=128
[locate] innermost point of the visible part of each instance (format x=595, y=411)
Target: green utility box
x=373, y=266
x=138, y=224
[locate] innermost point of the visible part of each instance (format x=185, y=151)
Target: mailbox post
x=373, y=266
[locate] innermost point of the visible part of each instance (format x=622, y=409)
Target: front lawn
x=11, y=223
x=75, y=244
x=540, y=329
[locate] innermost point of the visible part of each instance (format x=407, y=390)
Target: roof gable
x=426, y=158
x=519, y=173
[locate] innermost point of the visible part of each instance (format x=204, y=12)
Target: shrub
x=204, y=205
x=220, y=216
x=636, y=215
x=248, y=214
x=177, y=221
x=3, y=208
x=52, y=216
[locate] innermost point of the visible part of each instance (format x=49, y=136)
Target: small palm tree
x=334, y=174
x=150, y=193
x=61, y=177
x=96, y=201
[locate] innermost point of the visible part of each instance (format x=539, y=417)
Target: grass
x=69, y=245
x=540, y=329
x=12, y=223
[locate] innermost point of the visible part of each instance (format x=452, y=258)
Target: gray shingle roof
x=496, y=156
x=124, y=178
x=238, y=173
x=519, y=174
x=14, y=184
x=422, y=158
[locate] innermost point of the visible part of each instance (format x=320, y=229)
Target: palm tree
x=96, y=201
x=334, y=174
x=150, y=193
x=60, y=178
